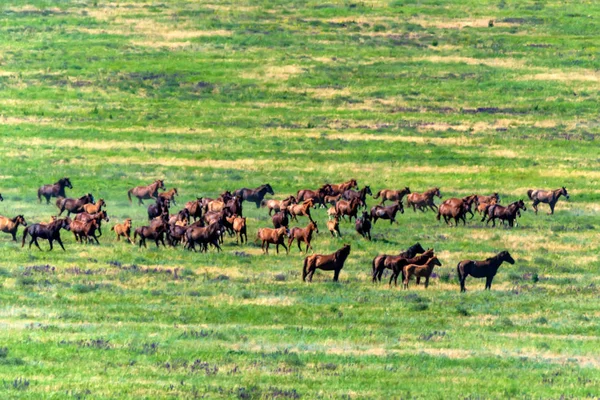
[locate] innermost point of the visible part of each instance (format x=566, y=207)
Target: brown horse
x=547, y=196
x=272, y=236
x=98, y=217
x=195, y=208
x=161, y=206
x=301, y=209
x=74, y=206
x=424, y=200
x=326, y=262
x=349, y=208
x=255, y=196
x=239, y=227
x=363, y=225
x=156, y=233
x=456, y=208
x=387, y=212
x=421, y=271
x=332, y=199
x=318, y=195
x=281, y=219
x=493, y=198
x=361, y=195
x=55, y=190
x=94, y=208
x=146, y=192
x=169, y=195
x=182, y=215
x=397, y=263
x=391, y=195
x=482, y=269
x=334, y=227
x=84, y=230
x=379, y=262
x=50, y=232
x=342, y=187
x=10, y=225
x=123, y=229
x=303, y=235
x=278, y=205
x=204, y=236
x=482, y=206
x=508, y=213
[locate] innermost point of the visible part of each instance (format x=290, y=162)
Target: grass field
x=471, y=96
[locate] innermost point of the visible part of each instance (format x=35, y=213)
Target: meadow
x=470, y=96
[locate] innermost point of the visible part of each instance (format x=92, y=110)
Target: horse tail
x=129, y=194
x=25, y=232
x=39, y=195
x=377, y=195
x=530, y=194
x=458, y=271
x=373, y=265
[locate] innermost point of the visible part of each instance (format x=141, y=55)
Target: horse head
x=505, y=256
x=564, y=192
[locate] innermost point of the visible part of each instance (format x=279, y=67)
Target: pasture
x=468, y=96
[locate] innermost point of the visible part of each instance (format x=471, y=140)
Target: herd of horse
x=203, y=222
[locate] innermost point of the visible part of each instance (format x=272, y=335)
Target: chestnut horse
x=349, y=208
x=170, y=195
x=342, y=187
x=55, y=190
x=387, y=212
x=326, y=262
x=334, y=227
x=303, y=235
x=74, y=206
x=10, y=225
x=278, y=205
x=495, y=198
x=146, y=192
x=420, y=271
x=546, y=196
x=50, y=232
x=391, y=195
x=457, y=209
x=94, y=208
x=379, y=261
x=422, y=201
x=98, y=217
x=272, y=236
x=301, y=209
x=255, y=196
x=508, y=213
x=397, y=263
x=195, y=208
x=123, y=229
x=482, y=269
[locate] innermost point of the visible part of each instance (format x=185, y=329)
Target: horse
x=361, y=194
x=391, y=195
x=546, y=196
x=195, y=208
x=123, y=229
x=239, y=227
x=1, y=198
x=272, y=236
x=363, y=225
x=281, y=219
x=332, y=199
x=255, y=196
x=508, y=213
x=182, y=215
x=278, y=205
x=98, y=217
x=349, y=208
x=94, y=208
x=494, y=197
x=342, y=187
x=84, y=229
x=334, y=226
x=301, y=209
x=421, y=271
x=456, y=208
x=204, y=236
x=317, y=195
x=146, y=192
x=169, y=195
x=422, y=201
x=155, y=233
x=387, y=212
x=379, y=261
x=482, y=269
x=10, y=225
x=223, y=198
x=303, y=235
x=50, y=232
x=55, y=190
x=326, y=262
x=74, y=206
x=160, y=207
x=483, y=206
x=397, y=263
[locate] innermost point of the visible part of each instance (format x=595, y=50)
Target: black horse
x=482, y=269
x=254, y=195
x=50, y=232
x=55, y=190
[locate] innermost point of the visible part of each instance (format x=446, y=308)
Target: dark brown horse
x=55, y=190
x=281, y=219
x=195, y=208
x=422, y=201
x=326, y=262
x=318, y=195
x=349, y=208
x=160, y=207
x=303, y=235
x=74, y=206
x=482, y=269
x=203, y=236
x=391, y=195
x=50, y=232
x=549, y=197
x=397, y=263
x=255, y=196
x=363, y=225
x=387, y=212
x=361, y=195
x=342, y=187
x=98, y=217
x=154, y=232
x=379, y=262
x=10, y=225
x=456, y=208
x=146, y=192
x=508, y=213
x=420, y=271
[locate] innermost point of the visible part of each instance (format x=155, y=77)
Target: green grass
x=222, y=95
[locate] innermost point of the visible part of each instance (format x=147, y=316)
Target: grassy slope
x=220, y=95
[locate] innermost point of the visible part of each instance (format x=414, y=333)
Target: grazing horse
x=281, y=219
x=55, y=190
x=508, y=213
x=363, y=225
x=160, y=207
x=123, y=229
x=169, y=195
x=301, y=209
x=379, y=262
x=349, y=208
x=195, y=208
x=342, y=187
x=50, y=232
x=303, y=235
x=387, y=212
x=422, y=201
x=278, y=205
x=74, y=206
x=98, y=217
x=546, y=196
x=272, y=236
x=334, y=227
x=391, y=195
x=255, y=196
x=318, y=195
x=420, y=271
x=361, y=195
x=397, y=263
x=94, y=208
x=146, y=192
x=482, y=269
x=10, y=225
x=326, y=262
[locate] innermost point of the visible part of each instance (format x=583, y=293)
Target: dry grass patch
x=273, y=73
x=460, y=23
x=490, y=62
x=562, y=76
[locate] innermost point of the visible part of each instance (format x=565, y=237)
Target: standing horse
x=281, y=219
x=422, y=201
x=387, y=212
x=508, y=213
x=50, y=232
x=391, y=195
x=10, y=225
x=482, y=269
x=547, y=196
x=195, y=208
x=361, y=195
x=146, y=192
x=420, y=271
x=55, y=190
x=255, y=196
x=326, y=262
x=303, y=235
x=363, y=225
x=379, y=261
x=397, y=263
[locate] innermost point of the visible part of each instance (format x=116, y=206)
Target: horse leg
x=287, y=250
x=34, y=240
x=462, y=284
x=426, y=282
x=488, y=282
x=51, y=244
x=14, y=235
x=418, y=280
x=267, y=248
x=299, y=247
x=552, y=204
x=392, y=278
x=336, y=274
x=534, y=205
